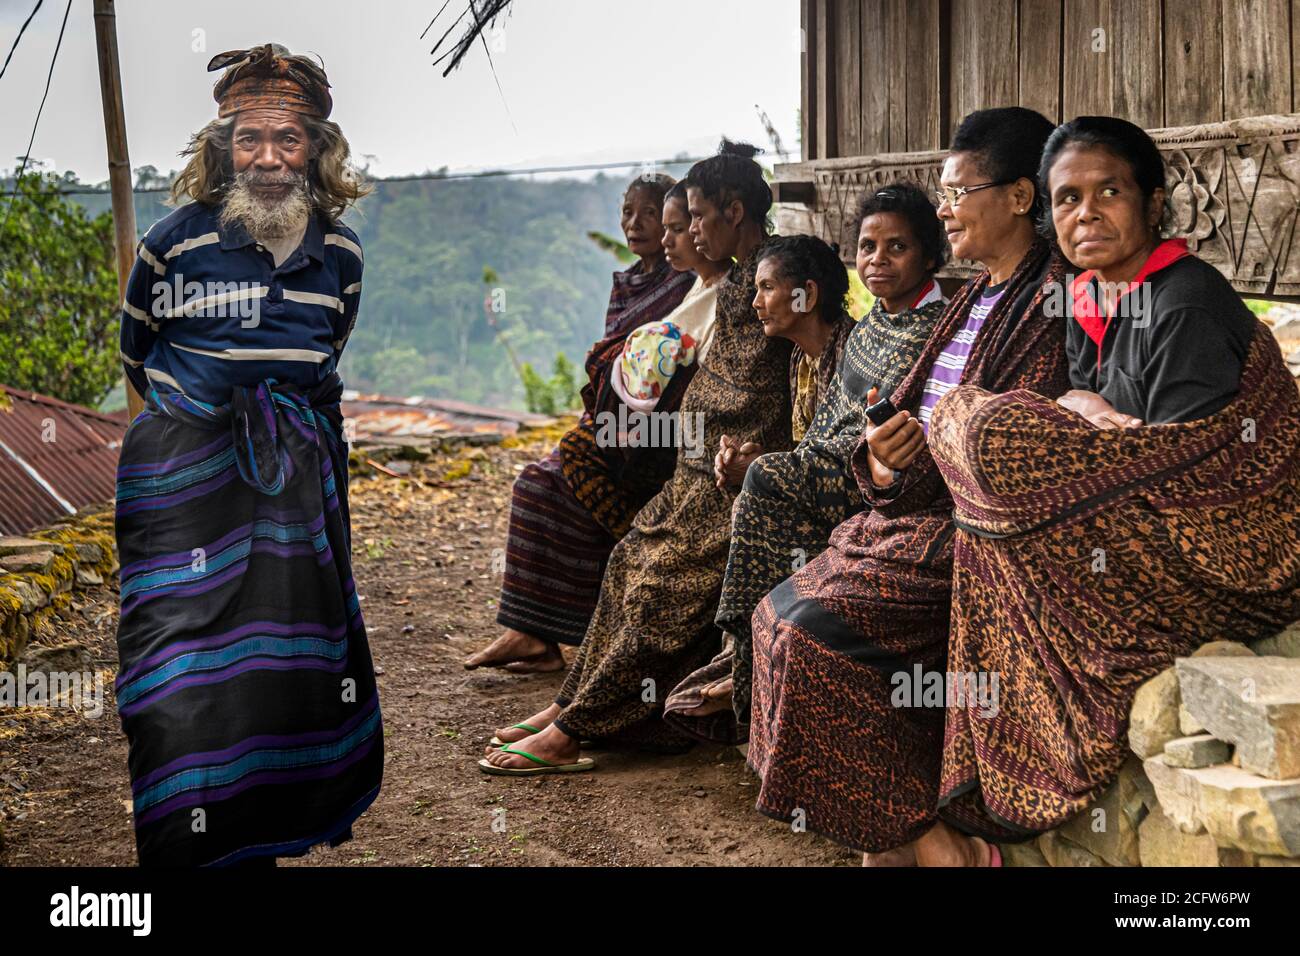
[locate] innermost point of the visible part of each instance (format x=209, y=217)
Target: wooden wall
x=891, y=76
x=1216, y=82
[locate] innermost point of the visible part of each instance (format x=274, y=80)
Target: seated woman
x=801, y=287
x=825, y=737
x=565, y=520
x=791, y=501
x=611, y=476
x=1090, y=556
x=654, y=622
x=648, y=368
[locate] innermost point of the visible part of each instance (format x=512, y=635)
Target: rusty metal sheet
x=55, y=458
x=384, y=416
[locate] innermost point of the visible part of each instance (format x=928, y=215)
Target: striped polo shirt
x=206, y=307
x=950, y=364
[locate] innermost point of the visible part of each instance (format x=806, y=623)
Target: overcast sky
x=583, y=80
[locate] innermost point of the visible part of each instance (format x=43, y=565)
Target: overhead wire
x=13, y=197
x=449, y=177
x=21, y=30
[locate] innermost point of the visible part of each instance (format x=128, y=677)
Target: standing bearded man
x=245, y=687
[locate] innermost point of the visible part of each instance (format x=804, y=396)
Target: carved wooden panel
x=1234, y=193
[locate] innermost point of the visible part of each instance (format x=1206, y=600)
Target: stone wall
x=1214, y=779
x=38, y=573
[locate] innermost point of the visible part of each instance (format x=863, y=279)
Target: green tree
x=565, y=382
x=554, y=395
x=426, y=243
x=58, y=295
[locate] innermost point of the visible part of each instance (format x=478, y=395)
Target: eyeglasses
x=952, y=195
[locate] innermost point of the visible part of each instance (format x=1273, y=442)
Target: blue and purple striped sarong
x=245, y=686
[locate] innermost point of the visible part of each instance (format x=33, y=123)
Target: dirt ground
x=423, y=551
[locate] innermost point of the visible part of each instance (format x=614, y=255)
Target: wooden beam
x=923, y=80
x=875, y=78
x=893, y=49
x=808, y=81
x=1136, y=86
x=848, y=77
x=1086, y=58
x=119, y=160
x=984, y=70
x=1295, y=56
x=945, y=74
x=1040, y=57
x=827, y=81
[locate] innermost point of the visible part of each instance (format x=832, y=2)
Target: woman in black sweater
x=1156, y=335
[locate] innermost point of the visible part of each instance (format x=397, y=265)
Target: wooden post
x=119, y=161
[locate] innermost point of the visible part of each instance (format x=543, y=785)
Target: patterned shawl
x=880, y=350
x=790, y=502
x=1091, y=560
x=742, y=363
x=659, y=595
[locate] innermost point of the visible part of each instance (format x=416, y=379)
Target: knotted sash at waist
x=257, y=416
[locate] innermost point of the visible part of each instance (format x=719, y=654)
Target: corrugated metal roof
x=382, y=416
x=55, y=458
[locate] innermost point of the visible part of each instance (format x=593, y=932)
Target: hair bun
x=835, y=247
x=743, y=150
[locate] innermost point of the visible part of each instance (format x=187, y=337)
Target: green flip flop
x=498, y=742
x=543, y=766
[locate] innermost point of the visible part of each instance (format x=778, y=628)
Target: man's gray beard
x=264, y=219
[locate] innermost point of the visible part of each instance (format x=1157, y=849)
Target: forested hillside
x=423, y=329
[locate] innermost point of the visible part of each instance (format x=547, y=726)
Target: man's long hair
x=334, y=182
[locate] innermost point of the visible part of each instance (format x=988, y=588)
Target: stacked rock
x=1216, y=776
x=38, y=573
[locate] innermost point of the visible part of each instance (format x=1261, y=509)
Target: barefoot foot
x=942, y=845
x=904, y=855
x=717, y=698
x=548, y=663
x=514, y=647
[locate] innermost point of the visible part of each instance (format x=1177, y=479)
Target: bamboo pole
x=119, y=160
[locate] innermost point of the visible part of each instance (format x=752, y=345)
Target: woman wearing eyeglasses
x=849, y=683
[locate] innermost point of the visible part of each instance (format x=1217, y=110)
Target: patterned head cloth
x=270, y=76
